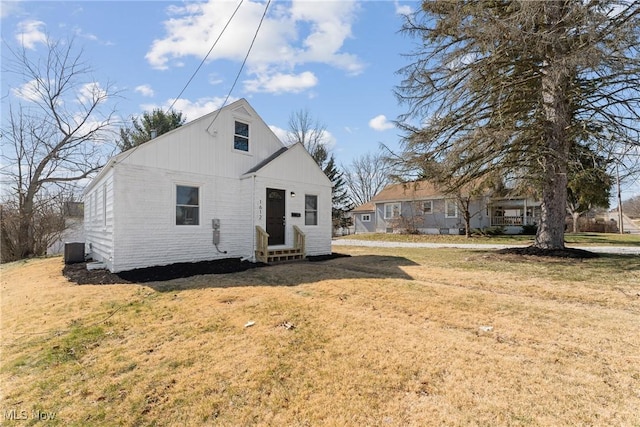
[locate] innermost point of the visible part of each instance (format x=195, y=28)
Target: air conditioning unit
x=73, y=252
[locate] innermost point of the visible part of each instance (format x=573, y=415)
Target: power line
x=131, y=151
x=206, y=56
x=241, y=66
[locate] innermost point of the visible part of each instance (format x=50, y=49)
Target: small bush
x=529, y=229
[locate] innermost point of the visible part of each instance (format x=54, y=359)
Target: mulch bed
x=553, y=253
x=79, y=274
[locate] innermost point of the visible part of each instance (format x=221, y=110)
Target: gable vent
x=243, y=111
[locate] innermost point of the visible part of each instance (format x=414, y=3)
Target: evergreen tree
x=142, y=128
x=341, y=202
x=511, y=86
x=303, y=129
x=589, y=184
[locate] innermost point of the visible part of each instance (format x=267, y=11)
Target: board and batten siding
x=202, y=148
x=318, y=237
x=292, y=172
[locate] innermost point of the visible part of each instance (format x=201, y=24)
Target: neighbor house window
x=391, y=210
x=427, y=206
x=241, y=137
x=366, y=218
x=450, y=209
x=310, y=210
x=187, y=205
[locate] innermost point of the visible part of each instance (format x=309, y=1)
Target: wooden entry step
x=280, y=255
x=266, y=255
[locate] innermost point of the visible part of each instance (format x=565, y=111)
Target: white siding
x=295, y=171
x=139, y=228
x=195, y=149
x=147, y=233
x=99, y=220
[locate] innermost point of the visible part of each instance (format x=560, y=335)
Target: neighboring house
x=363, y=218
x=420, y=207
x=220, y=186
x=74, y=227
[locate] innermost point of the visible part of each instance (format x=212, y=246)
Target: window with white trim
x=427, y=206
x=241, y=136
x=392, y=210
x=187, y=205
x=365, y=218
x=310, y=209
x=450, y=209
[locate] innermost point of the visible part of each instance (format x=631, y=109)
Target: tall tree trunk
x=550, y=233
x=556, y=78
x=25, y=233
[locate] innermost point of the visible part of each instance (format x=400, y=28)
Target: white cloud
x=191, y=110
x=30, y=32
x=9, y=8
x=145, y=90
x=292, y=34
x=380, y=123
x=280, y=133
x=329, y=140
x=215, y=79
x=403, y=9
x=327, y=137
x=90, y=93
x=29, y=91
x=279, y=83
x=79, y=32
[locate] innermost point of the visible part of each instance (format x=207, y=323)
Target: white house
x=221, y=186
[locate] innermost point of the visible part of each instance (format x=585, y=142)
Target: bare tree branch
x=60, y=131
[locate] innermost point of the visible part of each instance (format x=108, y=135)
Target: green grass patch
x=71, y=346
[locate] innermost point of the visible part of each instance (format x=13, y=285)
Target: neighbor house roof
x=367, y=207
x=406, y=191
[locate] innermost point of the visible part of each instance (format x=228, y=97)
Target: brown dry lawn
x=390, y=337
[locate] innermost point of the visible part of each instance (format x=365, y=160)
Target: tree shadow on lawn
x=233, y=272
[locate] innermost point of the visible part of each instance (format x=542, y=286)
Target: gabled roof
x=295, y=153
x=406, y=191
x=240, y=106
x=367, y=207
x=266, y=161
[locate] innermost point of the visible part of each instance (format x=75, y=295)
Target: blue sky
x=336, y=59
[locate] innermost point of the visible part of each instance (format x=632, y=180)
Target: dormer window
x=241, y=137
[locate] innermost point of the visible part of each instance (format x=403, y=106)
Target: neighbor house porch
x=513, y=212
